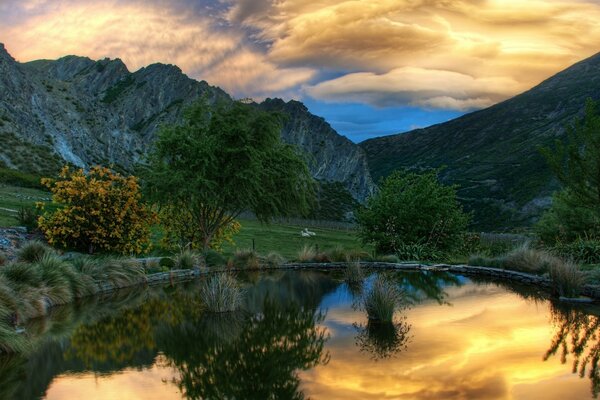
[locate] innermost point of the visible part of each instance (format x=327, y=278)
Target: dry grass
x=524, y=259
x=246, y=259
x=307, y=254
x=186, y=259
x=383, y=299
x=221, y=293
x=274, y=259
x=566, y=278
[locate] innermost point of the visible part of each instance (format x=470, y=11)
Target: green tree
x=222, y=161
x=412, y=209
x=575, y=210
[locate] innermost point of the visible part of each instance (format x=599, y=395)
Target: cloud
x=416, y=87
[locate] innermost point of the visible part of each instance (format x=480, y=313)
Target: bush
x=353, y=273
x=99, y=211
x=167, y=262
x=566, y=278
x=418, y=252
x=412, y=208
x=186, y=259
x=247, y=259
x=221, y=293
x=213, y=258
x=382, y=299
x=586, y=251
x=33, y=251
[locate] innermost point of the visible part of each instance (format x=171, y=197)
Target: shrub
x=418, y=252
x=586, y=251
x=307, y=254
x=382, y=299
x=221, y=293
x=213, y=258
x=98, y=211
x=566, y=278
x=167, y=262
x=33, y=251
x=353, y=273
x=274, y=260
x=246, y=259
x=186, y=259
x=412, y=208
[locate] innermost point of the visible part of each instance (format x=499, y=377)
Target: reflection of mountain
x=106, y=337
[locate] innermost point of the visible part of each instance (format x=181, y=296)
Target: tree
x=222, y=161
x=575, y=210
x=412, y=209
x=97, y=211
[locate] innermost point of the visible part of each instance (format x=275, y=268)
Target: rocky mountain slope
x=493, y=153
x=86, y=112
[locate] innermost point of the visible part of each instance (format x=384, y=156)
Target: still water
x=305, y=335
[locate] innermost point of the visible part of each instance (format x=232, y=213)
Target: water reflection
x=577, y=335
x=383, y=340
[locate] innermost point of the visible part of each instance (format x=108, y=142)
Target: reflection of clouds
x=452, y=54
x=488, y=345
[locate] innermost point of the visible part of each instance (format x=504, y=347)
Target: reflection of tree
x=383, y=340
x=577, y=334
x=257, y=358
x=421, y=285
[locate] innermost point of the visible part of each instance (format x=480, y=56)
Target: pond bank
x=592, y=291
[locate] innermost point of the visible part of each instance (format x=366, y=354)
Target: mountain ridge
x=86, y=112
x=493, y=153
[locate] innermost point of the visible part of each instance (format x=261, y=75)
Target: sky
x=370, y=68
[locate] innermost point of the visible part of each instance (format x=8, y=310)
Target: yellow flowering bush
x=98, y=211
x=181, y=230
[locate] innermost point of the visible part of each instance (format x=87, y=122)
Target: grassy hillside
x=493, y=153
x=12, y=198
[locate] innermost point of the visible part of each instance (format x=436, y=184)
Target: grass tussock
x=273, y=260
x=186, y=259
x=33, y=251
x=307, y=254
x=383, y=299
x=566, y=277
x=353, y=273
x=221, y=293
x=3, y=259
x=523, y=258
x=246, y=259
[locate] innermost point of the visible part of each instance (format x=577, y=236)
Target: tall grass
x=307, y=254
x=273, y=259
x=523, y=258
x=382, y=299
x=353, y=273
x=246, y=259
x=186, y=259
x=221, y=293
x=566, y=277
x=3, y=259
x=33, y=251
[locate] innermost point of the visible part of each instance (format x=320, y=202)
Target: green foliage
x=524, y=259
x=221, y=293
x=418, y=252
x=413, y=209
x=586, y=251
x=167, y=262
x=226, y=160
x=575, y=211
x=28, y=216
x=213, y=258
x=382, y=299
x=33, y=251
x=13, y=177
x=333, y=202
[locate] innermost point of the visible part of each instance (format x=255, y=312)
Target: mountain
x=492, y=154
x=87, y=112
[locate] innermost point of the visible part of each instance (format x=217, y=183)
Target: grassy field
x=286, y=239
x=280, y=237
x=12, y=198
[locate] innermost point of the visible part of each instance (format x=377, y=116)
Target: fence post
x=253, y=245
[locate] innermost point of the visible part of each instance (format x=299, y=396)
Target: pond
x=304, y=334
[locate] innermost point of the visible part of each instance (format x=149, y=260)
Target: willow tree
x=222, y=161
